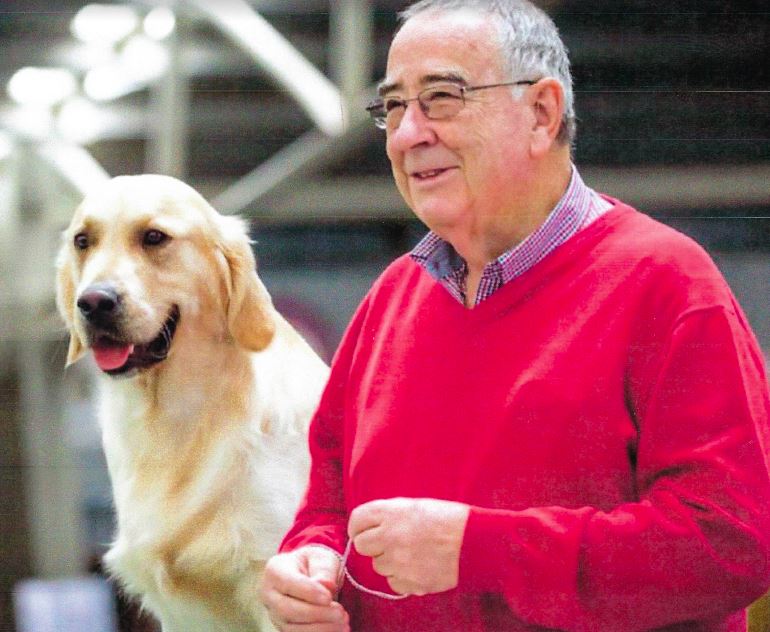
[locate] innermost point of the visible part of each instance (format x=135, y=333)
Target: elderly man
x=551, y=414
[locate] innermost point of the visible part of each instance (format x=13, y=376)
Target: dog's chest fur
x=203, y=495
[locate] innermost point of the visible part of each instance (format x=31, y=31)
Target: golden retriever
x=205, y=401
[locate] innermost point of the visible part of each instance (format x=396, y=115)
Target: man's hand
x=298, y=590
x=415, y=543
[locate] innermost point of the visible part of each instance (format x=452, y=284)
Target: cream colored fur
x=207, y=449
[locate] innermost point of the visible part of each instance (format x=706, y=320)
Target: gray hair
x=530, y=45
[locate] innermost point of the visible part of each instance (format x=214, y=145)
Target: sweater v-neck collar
x=524, y=285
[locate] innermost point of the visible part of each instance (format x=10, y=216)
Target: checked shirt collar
x=578, y=207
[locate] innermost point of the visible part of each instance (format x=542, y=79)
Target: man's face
x=460, y=175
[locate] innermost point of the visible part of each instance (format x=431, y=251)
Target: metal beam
x=36, y=195
x=351, y=45
x=167, y=148
x=669, y=191
x=673, y=189
x=292, y=164
x=75, y=166
x=10, y=233
x=274, y=53
x=51, y=479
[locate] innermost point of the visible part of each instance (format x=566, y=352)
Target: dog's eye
x=154, y=238
x=81, y=241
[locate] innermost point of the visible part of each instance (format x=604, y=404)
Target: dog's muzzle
x=101, y=307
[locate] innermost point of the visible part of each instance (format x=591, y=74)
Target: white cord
x=344, y=572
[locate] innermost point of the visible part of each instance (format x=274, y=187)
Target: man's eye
x=391, y=104
x=437, y=95
x=154, y=238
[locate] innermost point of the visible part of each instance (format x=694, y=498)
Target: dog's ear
x=65, y=302
x=250, y=312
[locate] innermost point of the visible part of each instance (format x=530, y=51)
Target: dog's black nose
x=98, y=302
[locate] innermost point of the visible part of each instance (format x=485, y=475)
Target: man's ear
x=547, y=101
x=65, y=302
x=250, y=312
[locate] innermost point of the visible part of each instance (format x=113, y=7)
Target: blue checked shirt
x=578, y=207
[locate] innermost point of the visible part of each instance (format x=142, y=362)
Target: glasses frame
x=376, y=108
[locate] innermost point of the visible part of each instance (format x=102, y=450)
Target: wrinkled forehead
x=459, y=43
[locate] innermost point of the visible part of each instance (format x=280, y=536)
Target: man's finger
x=369, y=542
x=401, y=587
x=303, y=588
x=382, y=566
x=288, y=610
x=366, y=516
x=323, y=566
x=316, y=627
x=341, y=625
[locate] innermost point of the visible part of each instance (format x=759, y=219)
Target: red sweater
x=606, y=416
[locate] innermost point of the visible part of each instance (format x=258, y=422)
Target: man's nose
x=414, y=129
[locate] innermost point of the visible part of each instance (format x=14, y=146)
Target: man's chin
x=443, y=216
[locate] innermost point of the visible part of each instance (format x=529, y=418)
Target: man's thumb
x=323, y=566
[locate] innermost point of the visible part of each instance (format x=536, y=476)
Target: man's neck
x=515, y=226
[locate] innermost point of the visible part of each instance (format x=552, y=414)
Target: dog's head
x=146, y=258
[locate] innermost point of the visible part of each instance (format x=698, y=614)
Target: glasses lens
x=441, y=102
x=376, y=110
x=394, y=111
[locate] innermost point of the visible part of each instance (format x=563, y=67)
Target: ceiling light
x=141, y=62
x=159, y=23
x=102, y=23
x=41, y=86
x=144, y=58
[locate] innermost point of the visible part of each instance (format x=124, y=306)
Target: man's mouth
x=117, y=357
x=430, y=173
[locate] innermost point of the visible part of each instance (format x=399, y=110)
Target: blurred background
x=259, y=105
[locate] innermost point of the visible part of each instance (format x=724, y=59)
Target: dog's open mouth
x=116, y=357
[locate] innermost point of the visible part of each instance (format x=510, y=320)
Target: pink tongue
x=111, y=357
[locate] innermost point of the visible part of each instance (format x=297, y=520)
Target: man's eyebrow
x=387, y=86
x=443, y=77
x=440, y=77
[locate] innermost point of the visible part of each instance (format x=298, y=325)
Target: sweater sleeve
x=322, y=515
x=695, y=545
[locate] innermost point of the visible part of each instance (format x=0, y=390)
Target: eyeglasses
x=437, y=103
